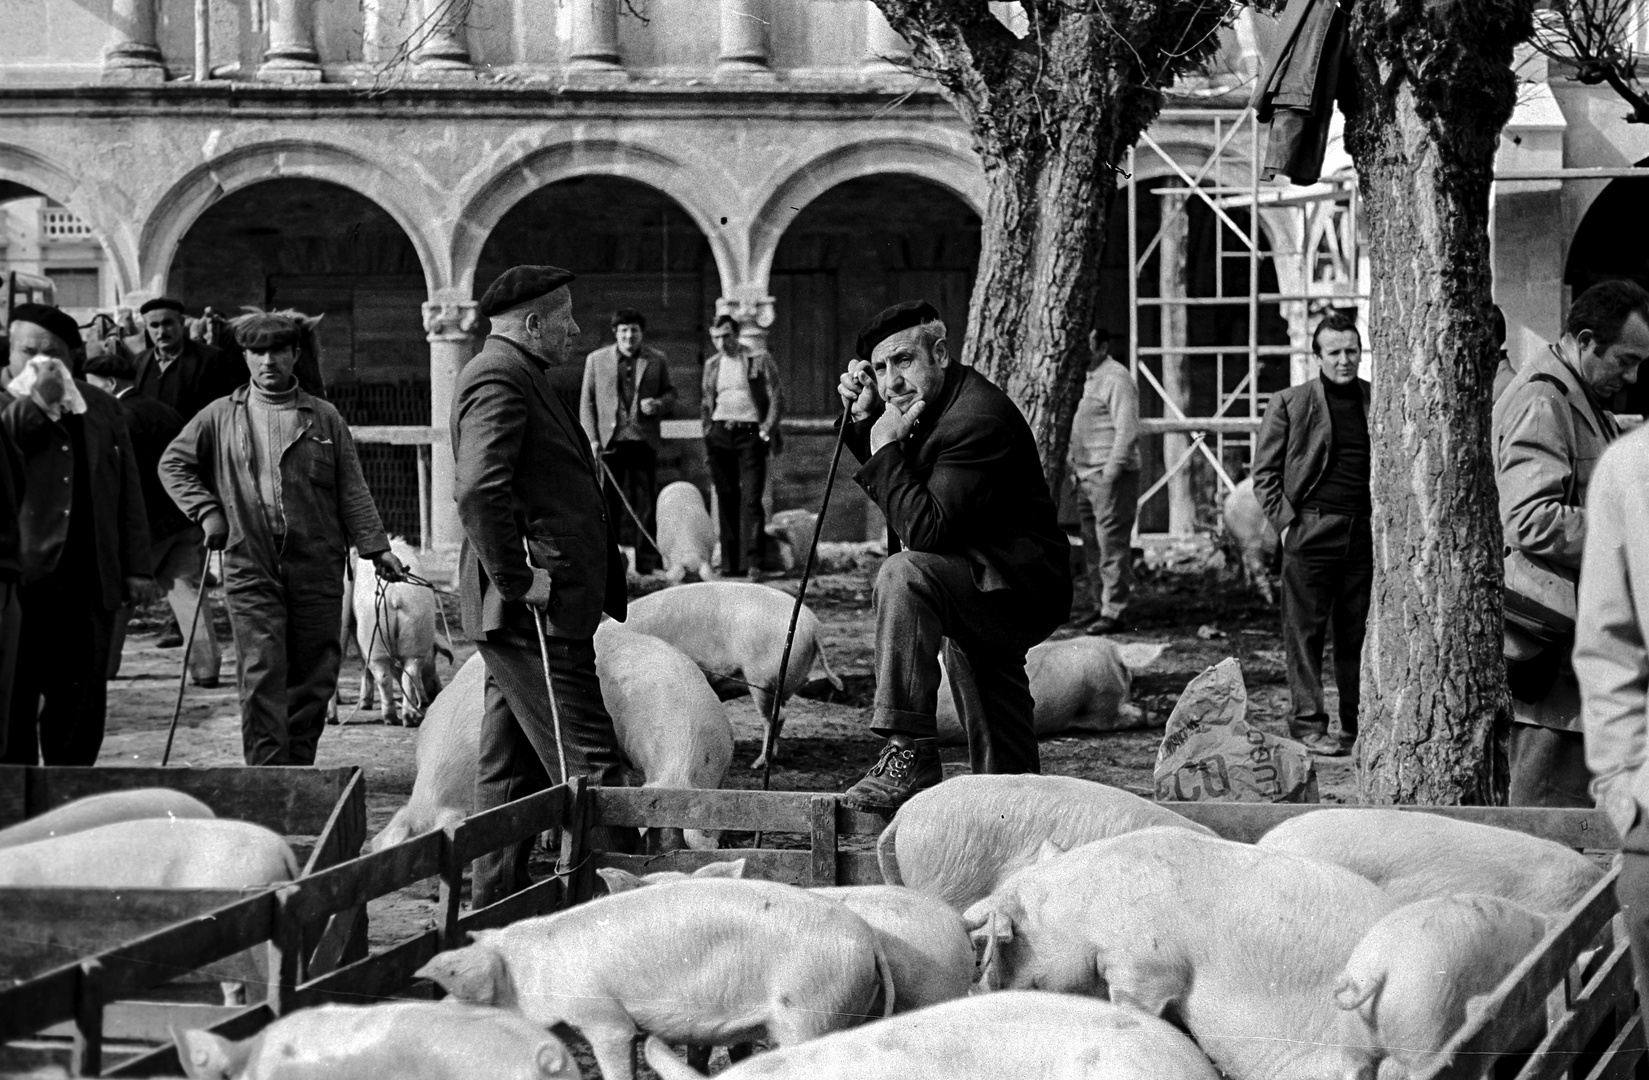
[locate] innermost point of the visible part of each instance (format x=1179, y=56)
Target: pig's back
x=719, y=624
x=106, y=809
x=925, y=940
x=154, y=853
x=445, y=751
x=669, y=722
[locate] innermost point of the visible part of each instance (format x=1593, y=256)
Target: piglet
x=705, y=962
x=398, y=638
x=1012, y=1034
x=686, y=536
x=403, y=1040
x=1250, y=539
x=104, y=809
x=154, y=853
x=736, y=629
x=1079, y=684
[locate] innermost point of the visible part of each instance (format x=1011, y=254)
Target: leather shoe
x=1323, y=744
x=906, y=766
x=1102, y=624
x=171, y=637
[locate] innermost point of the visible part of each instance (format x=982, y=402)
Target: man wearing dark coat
x=184, y=374
x=985, y=570
x=525, y=475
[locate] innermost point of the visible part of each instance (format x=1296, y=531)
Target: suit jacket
x=969, y=482
x=598, y=399
x=524, y=469
x=120, y=531
x=200, y=375
x=152, y=426
x=1291, y=454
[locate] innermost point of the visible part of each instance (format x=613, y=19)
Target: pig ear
x=204, y=1056
x=733, y=869
x=1048, y=850
x=619, y=881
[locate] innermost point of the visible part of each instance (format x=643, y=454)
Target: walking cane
x=549, y=684
x=188, y=647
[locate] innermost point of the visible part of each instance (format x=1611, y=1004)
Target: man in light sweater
x=270, y=475
x=1105, y=461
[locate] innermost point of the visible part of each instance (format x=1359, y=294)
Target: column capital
x=748, y=304
x=449, y=320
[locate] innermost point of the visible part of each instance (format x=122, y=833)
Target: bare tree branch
x=1595, y=38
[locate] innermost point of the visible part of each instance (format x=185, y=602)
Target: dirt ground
x=826, y=745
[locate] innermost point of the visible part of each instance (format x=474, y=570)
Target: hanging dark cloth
x=1296, y=94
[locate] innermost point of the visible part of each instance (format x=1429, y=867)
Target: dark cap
x=111, y=364
x=519, y=284
x=161, y=303
x=891, y=321
x=266, y=331
x=50, y=318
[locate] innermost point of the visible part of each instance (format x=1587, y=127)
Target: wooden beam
x=822, y=810
x=540, y=898
x=766, y=864
x=741, y=811
x=367, y=877
x=163, y=1060
x=344, y=833
x=1592, y=1006
x=372, y=979
x=44, y=927
x=492, y=829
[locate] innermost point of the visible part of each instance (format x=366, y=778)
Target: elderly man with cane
x=985, y=571
x=540, y=561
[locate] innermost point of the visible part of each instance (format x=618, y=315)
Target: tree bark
x=1434, y=87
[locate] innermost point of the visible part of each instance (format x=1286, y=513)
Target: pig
x=793, y=531
x=1252, y=540
x=927, y=949
x=1079, y=684
x=1018, y=1033
x=737, y=629
x=686, y=535
x=105, y=809
x=668, y=721
x=396, y=633
x=154, y=853
x=702, y=961
x=1419, y=856
x=404, y=1040
x=959, y=840
x=1236, y=940
x=1422, y=972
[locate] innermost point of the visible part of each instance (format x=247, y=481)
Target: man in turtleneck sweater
x=1311, y=476
x=270, y=475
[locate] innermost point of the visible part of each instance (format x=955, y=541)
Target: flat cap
x=891, y=321
x=50, y=318
x=161, y=303
x=519, y=284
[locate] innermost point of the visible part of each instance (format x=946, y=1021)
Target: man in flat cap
x=985, y=568
x=83, y=540
x=270, y=475
x=525, y=475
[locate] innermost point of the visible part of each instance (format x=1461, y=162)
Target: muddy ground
x=1184, y=599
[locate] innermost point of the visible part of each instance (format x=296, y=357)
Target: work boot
x=171, y=637
x=906, y=766
x=1323, y=744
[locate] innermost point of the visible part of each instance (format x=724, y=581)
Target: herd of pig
x=1028, y=926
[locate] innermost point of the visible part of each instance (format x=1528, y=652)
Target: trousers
x=738, y=471
x=59, y=697
x=286, y=625
x=176, y=560
x=1632, y=890
x=517, y=755
x=635, y=466
x=1548, y=768
x=925, y=602
x=1107, y=509
x=1328, y=574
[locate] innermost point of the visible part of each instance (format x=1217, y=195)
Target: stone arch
x=32, y=170
x=189, y=198
x=943, y=163
x=564, y=161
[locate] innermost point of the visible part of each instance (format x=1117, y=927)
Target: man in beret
x=83, y=542
x=525, y=475
x=985, y=568
x=270, y=475
x=175, y=541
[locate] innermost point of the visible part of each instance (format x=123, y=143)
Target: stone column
x=290, y=55
x=744, y=40
x=1176, y=374
x=132, y=56
x=594, y=56
x=753, y=309
x=885, y=50
x=445, y=51
x=450, y=326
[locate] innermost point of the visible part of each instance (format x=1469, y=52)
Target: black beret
x=161, y=303
x=50, y=318
x=113, y=364
x=519, y=284
x=891, y=321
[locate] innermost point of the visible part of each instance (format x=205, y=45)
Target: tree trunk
x=1434, y=88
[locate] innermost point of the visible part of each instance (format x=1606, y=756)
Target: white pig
x=926, y=946
x=397, y=636
x=1418, y=856
x=793, y=529
x=706, y=962
x=736, y=629
x=958, y=840
x=1250, y=535
x=1022, y=1034
x=104, y=809
x=154, y=853
x=402, y=1040
x=686, y=536
x=1424, y=970
x=1244, y=945
x=668, y=721
x=1079, y=684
